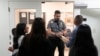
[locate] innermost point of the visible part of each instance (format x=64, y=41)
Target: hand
x=10, y=49
x=64, y=39
x=59, y=34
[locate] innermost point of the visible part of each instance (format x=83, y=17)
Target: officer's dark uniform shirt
x=56, y=26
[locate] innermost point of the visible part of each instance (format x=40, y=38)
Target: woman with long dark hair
x=36, y=43
x=84, y=44
x=21, y=30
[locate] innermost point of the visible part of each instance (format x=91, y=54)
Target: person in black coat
x=83, y=44
x=36, y=42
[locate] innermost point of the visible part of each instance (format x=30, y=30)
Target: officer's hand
x=59, y=34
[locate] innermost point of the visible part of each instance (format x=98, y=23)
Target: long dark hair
x=84, y=36
x=38, y=31
x=13, y=31
x=84, y=44
x=20, y=30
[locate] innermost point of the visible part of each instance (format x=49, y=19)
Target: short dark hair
x=79, y=18
x=57, y=12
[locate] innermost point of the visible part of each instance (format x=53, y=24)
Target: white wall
x=93, y=19
x=37, y=0
x=90, y=3
x=76, y=12
x=4, y=28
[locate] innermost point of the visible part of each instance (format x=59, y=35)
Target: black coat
x=41, y=48
x=83, y=45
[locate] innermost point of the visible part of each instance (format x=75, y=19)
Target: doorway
x=25, y=16
x=66, y=8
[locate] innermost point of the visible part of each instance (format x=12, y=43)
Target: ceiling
x=91, y=12
x=35, y=0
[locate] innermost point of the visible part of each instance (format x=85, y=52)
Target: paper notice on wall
x=32, y=16
x=23, y=15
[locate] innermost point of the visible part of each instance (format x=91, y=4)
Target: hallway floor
x=66, y=51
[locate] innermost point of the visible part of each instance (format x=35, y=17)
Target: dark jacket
x=41, y=48
x=84, y=44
